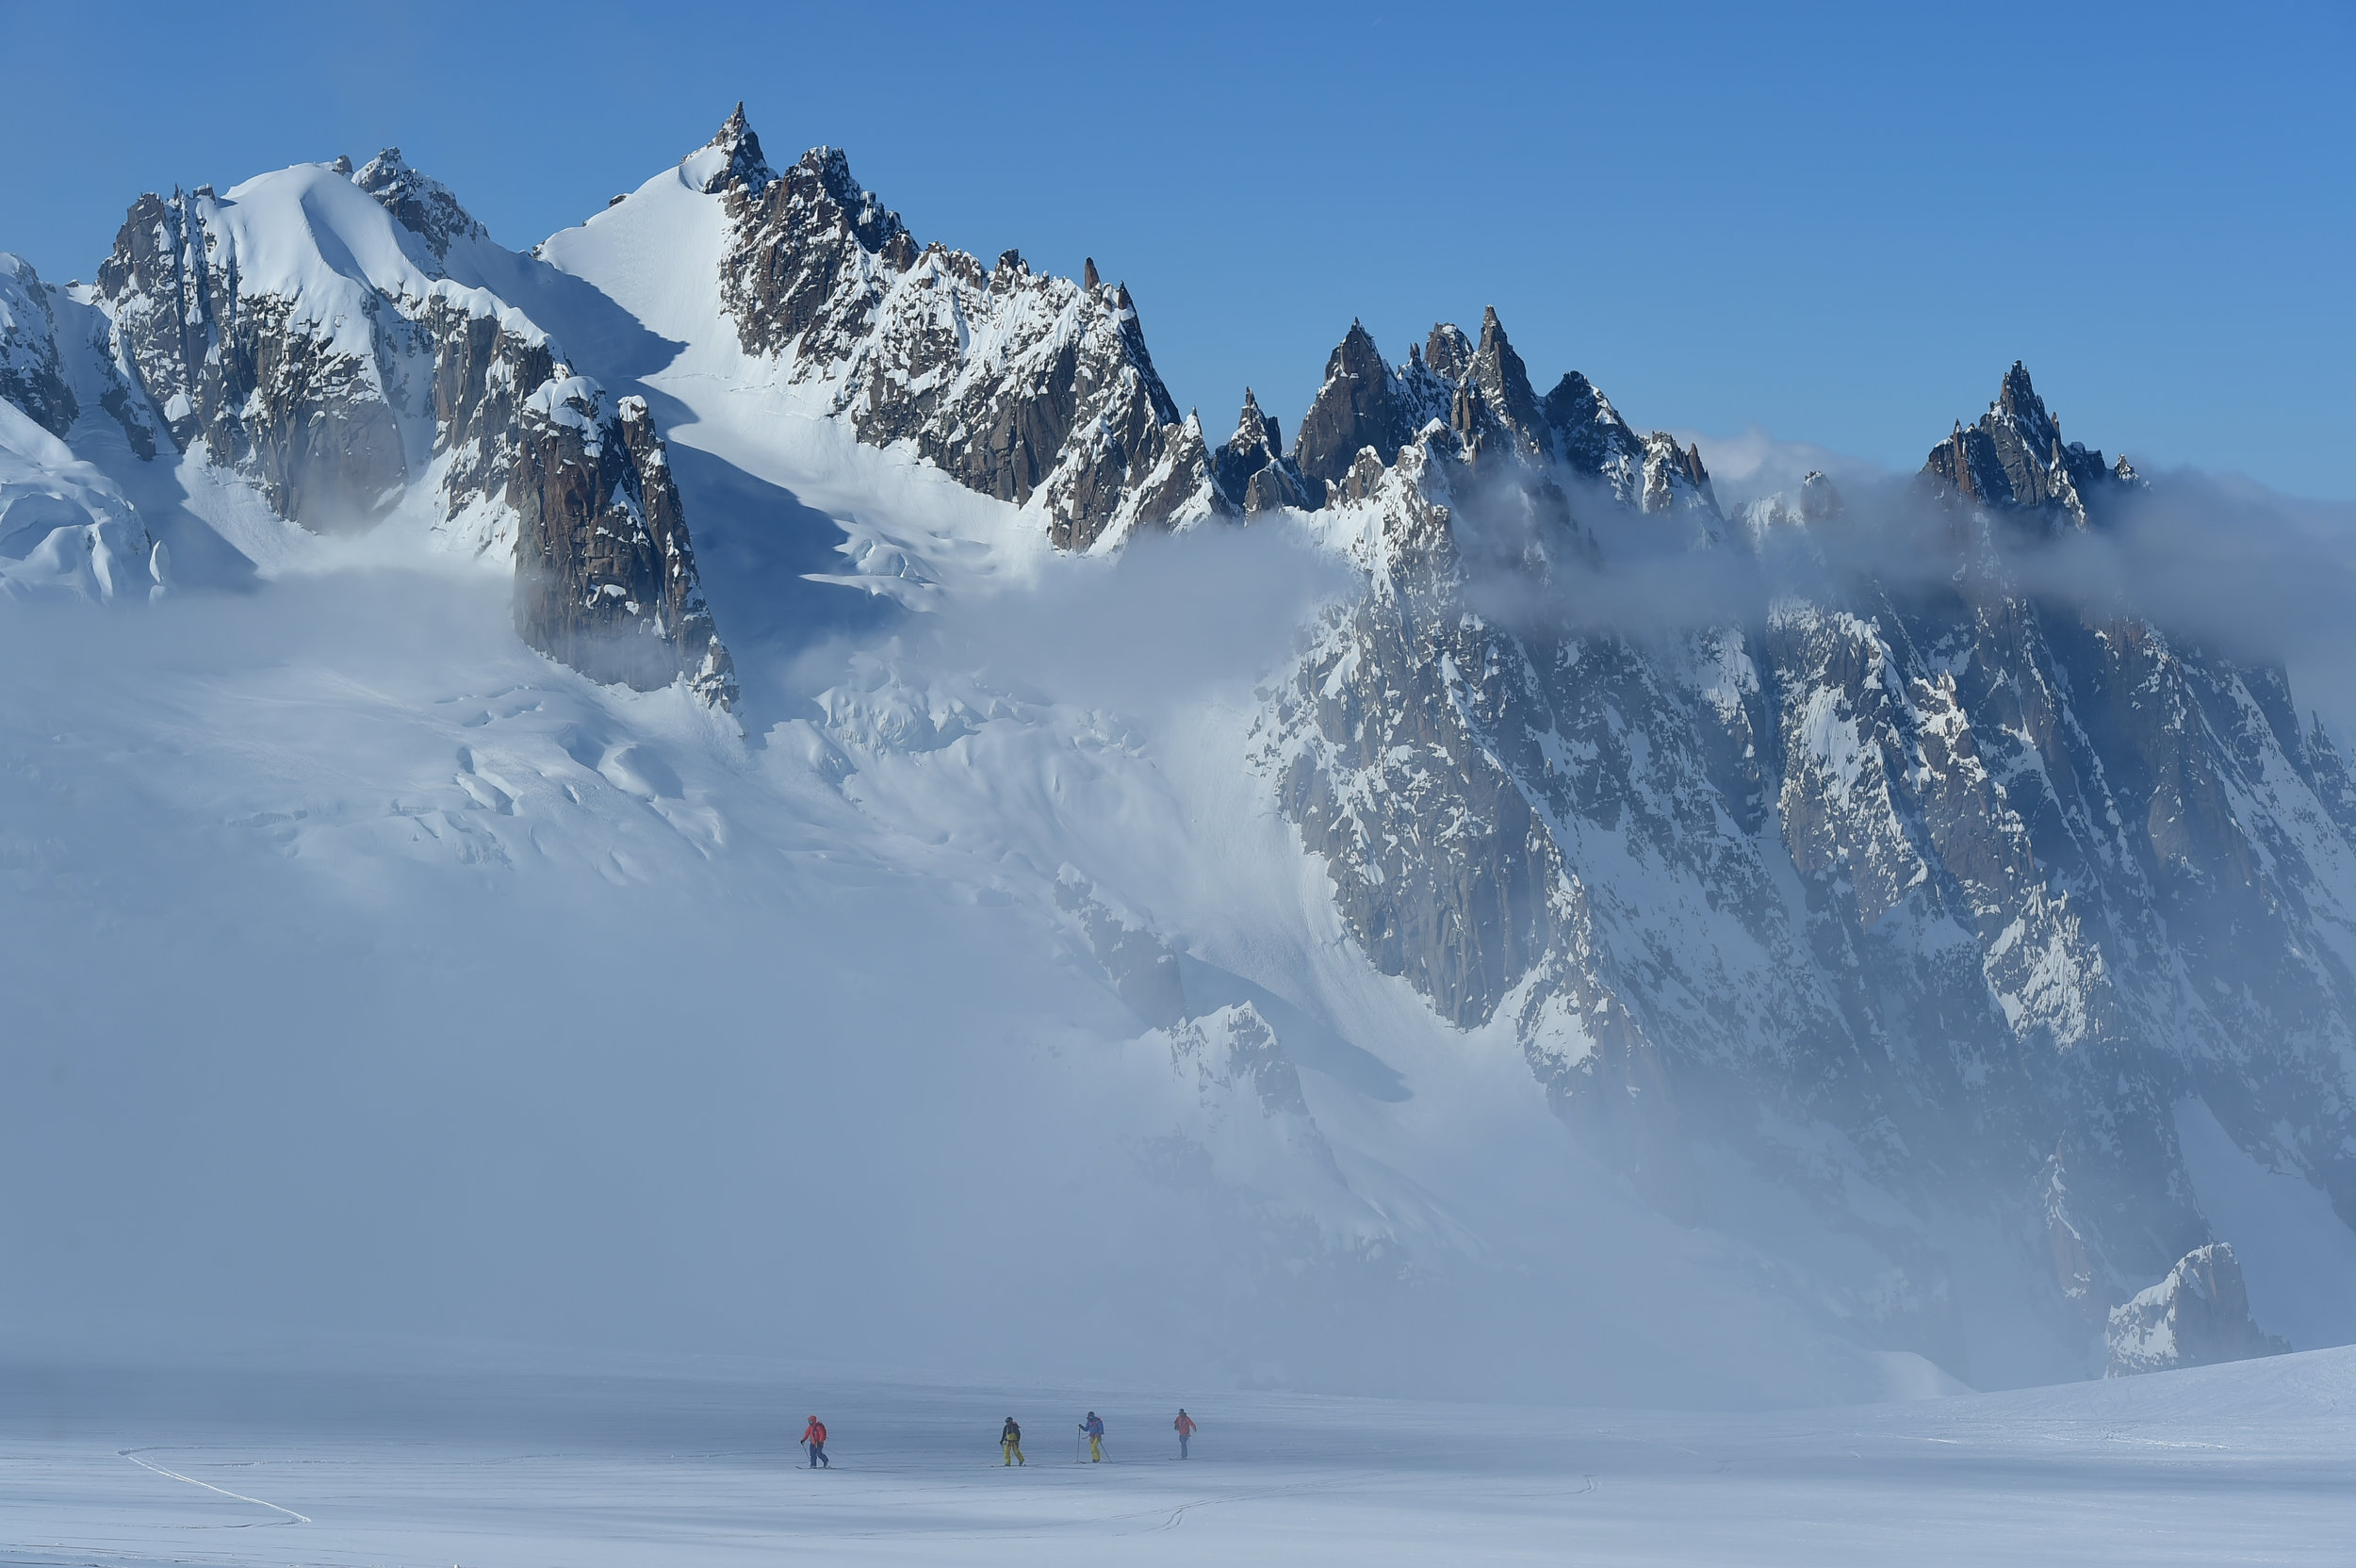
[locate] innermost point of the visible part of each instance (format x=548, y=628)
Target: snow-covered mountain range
x=1463, y=862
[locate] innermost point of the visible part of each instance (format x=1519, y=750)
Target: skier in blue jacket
x=1095, y=1429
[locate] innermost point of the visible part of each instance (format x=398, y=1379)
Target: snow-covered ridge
x=329, y=336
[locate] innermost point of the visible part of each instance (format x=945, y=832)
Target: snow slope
x=2242, y=1463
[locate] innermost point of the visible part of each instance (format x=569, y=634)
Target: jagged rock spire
x=1251, y=469
x=1253, y=425
x=1504, y=383
x=744, y=168
x=1446, y=352
x=2014, y=457
x=1358, y=406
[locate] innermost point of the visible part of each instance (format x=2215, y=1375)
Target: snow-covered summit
x=425, y=207
x=326, y=336
x=733, y=161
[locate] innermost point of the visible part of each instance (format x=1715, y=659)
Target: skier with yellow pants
x=1010, y=1441
x=1094, y=1426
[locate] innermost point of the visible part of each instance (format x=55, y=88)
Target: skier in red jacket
x=814, y=1439
x=1185, y=1429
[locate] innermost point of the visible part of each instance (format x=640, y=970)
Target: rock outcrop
x=1989, y=880
x=1253, y=467
x=283, y=388
x=606, y=578
x=1358, y=405
x=323, y=333
x=30, y=375
x=2198, y=1315
x=1034, y=389
x=426, y=208
x=2014, y=457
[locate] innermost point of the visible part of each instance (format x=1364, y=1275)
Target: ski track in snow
x=2245, y=1463
x=292, y=1517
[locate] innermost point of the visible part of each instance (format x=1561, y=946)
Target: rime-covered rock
x=2198, y=1315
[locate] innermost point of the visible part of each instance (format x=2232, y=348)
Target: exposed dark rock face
x=605, y=578
x=424, y=207
x=1591, y=437
x=1448, y=354
x=2014, y=457
x=1989, y=884
x=1033, y=390
x=1504, y=383
x=30, y=376
x=2198, y=1315
x=1039, y=391
x=1359, y=405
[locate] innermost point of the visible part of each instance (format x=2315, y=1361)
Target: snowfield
x=967, y=1003
x=2247, y=1463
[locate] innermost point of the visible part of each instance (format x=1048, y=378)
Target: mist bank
x=377, y=986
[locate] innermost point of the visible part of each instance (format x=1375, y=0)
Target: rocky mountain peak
x=1024, y=386
x=1253, y=428
x=1447, y=351
x=1357, y=406
x=424, y=207
x=1590, y=436
x=824, y=173
x=1504, y=383
x=1251, y=470
x=2015, y=458
x=2018, y=401
x=740, y=165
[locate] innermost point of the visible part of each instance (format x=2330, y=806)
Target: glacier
x=732, y=769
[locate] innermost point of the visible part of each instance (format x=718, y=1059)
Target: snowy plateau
x=740, y=785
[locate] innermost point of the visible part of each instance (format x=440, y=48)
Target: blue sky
x=1840, y=225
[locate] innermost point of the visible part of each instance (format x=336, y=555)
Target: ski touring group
x=1010, y=1440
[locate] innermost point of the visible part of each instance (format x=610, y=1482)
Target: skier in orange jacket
x=1185, y=1429
x=814, y=1439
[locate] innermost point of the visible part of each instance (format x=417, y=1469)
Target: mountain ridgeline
x=1937, y=889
